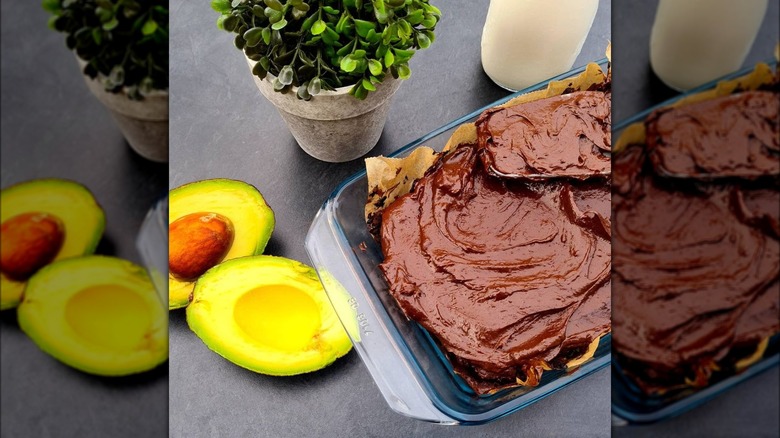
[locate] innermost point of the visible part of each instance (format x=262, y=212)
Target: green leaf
x=239, y=42
x=329, y=10
x=404, y=71
x=318, y=27
x=341, y=24
x=307, y=23
x=286, y=75
x=330, y=36
x=279, y=25
x=97, y=35
x=389, y=58
x=415, y=17
x=111, y=25
x=404, y=29
x=52, y=6
x=368, y=85
x=348, y=64
x=103, y=14
x=221, y=6
x=265, y=62
x=315, y=86
x=253, y=36
x=360, y=53
x=431, y=36
x=373, y=37
x=375, y=67
x=423, y=41
x=235, y=3
x=274, y=4
x=433, y=9
x=273, y=15
x=344, y=50
x=230, y=23
x=297, y=14
x=429, y=21
x=146, y=86
x=403, y=55
x=303, y=92
x=258, y=11
x=360, y=92
x=117, y=75
x=149, y=27
x=258, y=70
x=266, y=35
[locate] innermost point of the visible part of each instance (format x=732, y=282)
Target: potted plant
x=122, y=47
x=330, y=67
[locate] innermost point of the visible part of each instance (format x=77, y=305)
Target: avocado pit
x=198, y=242
x=30, y=241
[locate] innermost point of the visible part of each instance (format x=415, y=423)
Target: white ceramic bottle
x=695, y=41
x=527, y=41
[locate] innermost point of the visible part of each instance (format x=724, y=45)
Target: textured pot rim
x=328, y=105
x=155, y=93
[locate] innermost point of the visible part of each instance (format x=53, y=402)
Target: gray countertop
x=222, y=127
x=53, y=127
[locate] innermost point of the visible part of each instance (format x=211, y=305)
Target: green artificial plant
x=319, y=45
x=123, y=42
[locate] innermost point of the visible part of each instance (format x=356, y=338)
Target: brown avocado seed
x=197, y=242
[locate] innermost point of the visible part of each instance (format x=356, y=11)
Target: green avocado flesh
x=267, y=314
x=242, y=203
x=72, y=203
x=99, y=314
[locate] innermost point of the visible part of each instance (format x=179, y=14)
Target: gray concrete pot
x=333, y=126
x=144, y=123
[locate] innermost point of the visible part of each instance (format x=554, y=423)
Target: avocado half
x=99, y=314
x=71, y=202
x=267, y=314
x=252, y=220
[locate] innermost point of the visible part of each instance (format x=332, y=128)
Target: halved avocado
x=267, y=314
x=252, y=221
x=98, y=314
x=70, y=202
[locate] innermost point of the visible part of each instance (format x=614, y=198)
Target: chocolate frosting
x=731, y=136
x=566, y=135
x=511, y=276
x=696, y=256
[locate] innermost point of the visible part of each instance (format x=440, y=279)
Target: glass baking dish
x=412, y=373
x=152, y=244
x=629, y=404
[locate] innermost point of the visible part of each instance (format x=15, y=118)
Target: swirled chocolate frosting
x=696, y=266
x=558, y=136
x=510, y=275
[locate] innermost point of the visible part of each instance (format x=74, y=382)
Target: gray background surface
x=53, y=127
x=749, y=409
x=222, y=127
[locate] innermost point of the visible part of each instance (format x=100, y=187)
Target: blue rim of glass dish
x=629, y=405
x=552, y=381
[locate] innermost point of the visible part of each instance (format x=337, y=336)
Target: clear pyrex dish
x=629, y=404
x=152, y=244
x=407, y=365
